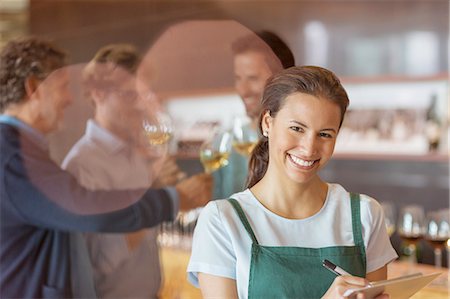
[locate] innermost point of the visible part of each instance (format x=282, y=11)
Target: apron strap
x=237, y=207
x=356, y=219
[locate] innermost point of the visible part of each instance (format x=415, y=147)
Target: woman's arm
x=217, y=287
x=380, y=274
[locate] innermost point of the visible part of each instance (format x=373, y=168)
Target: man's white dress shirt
x=101, y=160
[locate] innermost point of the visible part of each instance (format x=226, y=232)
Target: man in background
x=256, y=57
x=111, y=155
x=41, y=204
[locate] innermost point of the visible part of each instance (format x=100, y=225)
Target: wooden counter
x=175, y=284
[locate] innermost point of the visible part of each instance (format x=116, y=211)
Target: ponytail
x=259, y=160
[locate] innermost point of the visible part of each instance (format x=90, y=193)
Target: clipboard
x=398, y=288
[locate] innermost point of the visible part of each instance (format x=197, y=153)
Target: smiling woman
x=319, y=97
x=269, y=241
x=300, y=143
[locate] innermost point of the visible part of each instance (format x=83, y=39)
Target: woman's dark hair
x=312, y=80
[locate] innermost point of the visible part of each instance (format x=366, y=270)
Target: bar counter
x=175, y=286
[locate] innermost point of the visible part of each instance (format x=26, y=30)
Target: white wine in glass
x=245, y=136
x=157, y=138
x=244, y=148
x=214, y=152
x=213, y=160
x=157, y=129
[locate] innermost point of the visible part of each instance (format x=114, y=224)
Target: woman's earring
x=266, y=134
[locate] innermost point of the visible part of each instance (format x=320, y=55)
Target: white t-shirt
x=221, y=245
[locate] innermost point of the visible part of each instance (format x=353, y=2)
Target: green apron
x=297, y=272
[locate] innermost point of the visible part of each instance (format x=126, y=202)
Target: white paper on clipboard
x=397, y=288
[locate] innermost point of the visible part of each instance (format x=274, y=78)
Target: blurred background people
x=112, y=155
x=256, y=57
x=40, y=203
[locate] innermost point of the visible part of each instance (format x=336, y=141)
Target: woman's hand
x=343, y=283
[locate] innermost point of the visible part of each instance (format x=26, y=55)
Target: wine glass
x=411, y=228
x=437, y=233
x=157, y=131
x=214, y=152
x=389, y=217
x=158, y=128
x=245, y=136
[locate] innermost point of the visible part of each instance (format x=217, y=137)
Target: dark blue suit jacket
x=40, y=205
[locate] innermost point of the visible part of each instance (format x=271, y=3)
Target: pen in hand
x=335, y=269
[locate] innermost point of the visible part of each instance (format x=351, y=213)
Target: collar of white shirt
x=105, y=139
